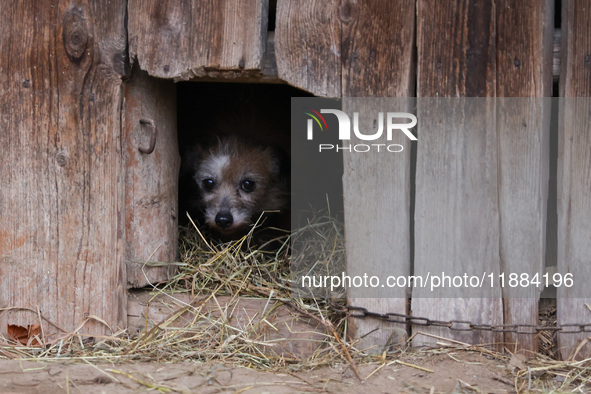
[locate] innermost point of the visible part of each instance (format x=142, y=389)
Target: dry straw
x=211, y=283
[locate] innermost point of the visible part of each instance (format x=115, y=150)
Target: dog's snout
x=224, y=219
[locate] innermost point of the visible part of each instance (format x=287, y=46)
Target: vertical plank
x=456, y=49
x=456, y=214
x=61, y=230
x=574, y=156
x=151, y=198
x=377, y=61
x=182, y=40
x=524, y=69
x=308, y=45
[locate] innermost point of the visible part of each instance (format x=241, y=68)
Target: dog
x=239, y=175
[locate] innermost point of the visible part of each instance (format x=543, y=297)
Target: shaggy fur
x=237, y=181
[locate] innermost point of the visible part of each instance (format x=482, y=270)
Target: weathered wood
x=61, y=228
x=274, y=327
x=456, y=217
x=456, y=214
x=198, y=38
x=524, y=69
x=456, y=49
x=308, y=45
x=487, y=60
x=377, y=61
x=151, y=200
x=574, y=186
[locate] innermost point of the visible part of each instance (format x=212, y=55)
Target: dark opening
x=551, y=258
x=557, y=13
x=202, y=105
x=272, y=15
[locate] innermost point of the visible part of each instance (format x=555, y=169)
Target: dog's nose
x=224, y=219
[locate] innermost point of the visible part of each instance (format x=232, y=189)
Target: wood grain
x=377, y=61
x=456, y=216
x=308, y=45
x=524, y=69
x=198, y=38
x=486, y=59
x=62, y=184
x=574, y=156
x=456, y=49
x=151, y=200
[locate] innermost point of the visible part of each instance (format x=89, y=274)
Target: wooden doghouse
x=89, y=155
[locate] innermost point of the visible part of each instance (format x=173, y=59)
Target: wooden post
x=151, y=179
x=456, y=216
x=495, y=205
x=363, y=49
x=574, y=188
x=377, y=61
x=61, y=228
x=524, y=69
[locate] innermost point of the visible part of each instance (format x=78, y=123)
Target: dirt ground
x=459, y=372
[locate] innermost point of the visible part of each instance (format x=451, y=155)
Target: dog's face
x=238, y=182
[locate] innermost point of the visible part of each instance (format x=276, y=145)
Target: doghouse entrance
x=189, y=108
x=201, y=107
x=211, y=114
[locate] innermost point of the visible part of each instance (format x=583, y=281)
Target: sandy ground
x=461, y=372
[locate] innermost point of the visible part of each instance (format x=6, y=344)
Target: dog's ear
x=282, y=163
x=188, y=190
x=190, y=159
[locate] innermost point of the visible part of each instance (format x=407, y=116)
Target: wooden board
x=198, y=38
x=485, y=60
x=574, y=188
x=308, y=45
x=524, y=69
x=377, y=61
x=151, y=200
x=61, y=228
x=456, y=215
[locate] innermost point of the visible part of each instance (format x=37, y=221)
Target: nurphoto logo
x=393, y=127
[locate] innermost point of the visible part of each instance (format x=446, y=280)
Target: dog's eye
x=208, y=184
x=248, y=185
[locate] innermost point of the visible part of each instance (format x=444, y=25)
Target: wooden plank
x=456, y=217
x=456, y=214
x=574, y=188
x=61, y=229
x=198, y=38
x=524, y=69
x=308, y=45
x=377, y=61
x=151, y=198
x=456, y=59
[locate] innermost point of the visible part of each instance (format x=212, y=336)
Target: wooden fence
x=67, y=229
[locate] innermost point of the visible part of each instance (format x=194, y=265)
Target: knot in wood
x=75, y=35
x=517, y=63
x=61, y=158
x=348, y=11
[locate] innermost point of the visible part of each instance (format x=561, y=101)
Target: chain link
x=464, y=325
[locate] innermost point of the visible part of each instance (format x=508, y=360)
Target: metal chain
x=464, y=325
